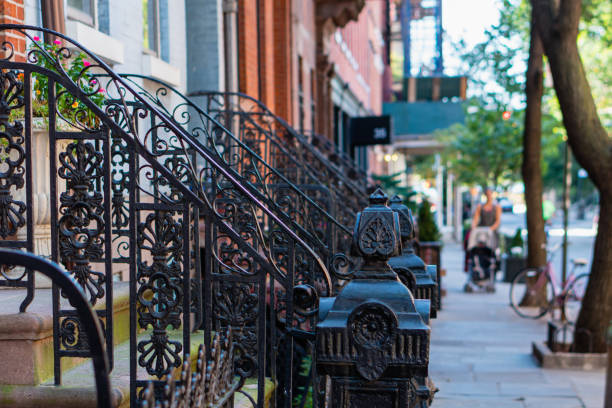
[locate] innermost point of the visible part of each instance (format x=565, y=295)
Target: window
x=150, y=24
x=82, y=10
x=301, y=93
x=312, y=100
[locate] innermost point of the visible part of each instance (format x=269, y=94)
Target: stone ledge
x=37, y=322
x=24, y=396
x=26, y=339
x=568, y=361
x=25, y=326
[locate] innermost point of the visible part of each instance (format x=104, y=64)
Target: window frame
x=156, y=52
x=74, y=13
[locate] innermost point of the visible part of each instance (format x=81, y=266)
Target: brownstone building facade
x=314, y=62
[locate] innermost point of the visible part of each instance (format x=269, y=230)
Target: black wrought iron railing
x=294, y=194
x=251, y=114
x=331, y=151
x=132, y=191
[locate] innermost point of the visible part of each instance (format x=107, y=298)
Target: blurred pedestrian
x=487, y=214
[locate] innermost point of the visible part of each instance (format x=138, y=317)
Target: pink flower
x=57, y=42
x=36, y=38
x=86, y=63
x=101, y=90
x=94, y=81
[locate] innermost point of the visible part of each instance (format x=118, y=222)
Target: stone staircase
x=26, y=346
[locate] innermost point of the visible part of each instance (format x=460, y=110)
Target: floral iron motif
x=12, y=154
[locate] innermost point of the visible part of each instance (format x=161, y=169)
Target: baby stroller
x=481, y=260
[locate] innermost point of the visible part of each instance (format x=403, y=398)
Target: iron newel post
x=412, y=271
x=373, y=340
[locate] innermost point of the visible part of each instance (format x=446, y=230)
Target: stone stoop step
x=26, y=339
x=78, y=386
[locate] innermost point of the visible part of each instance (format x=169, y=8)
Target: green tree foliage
x=392, y=184
x=496, y=68
x=486, y=149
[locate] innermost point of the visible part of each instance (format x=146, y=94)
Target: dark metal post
x=566, y=204
x=372, y=340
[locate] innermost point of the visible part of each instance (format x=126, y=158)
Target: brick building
x=314, y=63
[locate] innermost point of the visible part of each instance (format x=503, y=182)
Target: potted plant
x=513, y=258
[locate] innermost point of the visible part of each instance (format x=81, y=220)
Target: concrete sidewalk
x=480, y=354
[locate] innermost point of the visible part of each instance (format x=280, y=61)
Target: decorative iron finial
x=405, y=219
x=376, y=317
x=378, y=197
x=396, y=199
x=376, y=237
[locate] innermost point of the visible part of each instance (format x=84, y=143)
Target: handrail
x=242, y=145
x=168, y=123
x=333, y=149
x=290, y=129
x=251, y=267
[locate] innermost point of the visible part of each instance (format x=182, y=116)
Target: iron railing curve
x=169, y=123
x=192, y=104
x=332, y=167
x=131, y=136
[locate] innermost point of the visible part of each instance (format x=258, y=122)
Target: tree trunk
x=557, y=25
x=532, y=147
x=596, y=312
x=531, y=169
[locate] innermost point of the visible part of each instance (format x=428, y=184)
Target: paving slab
x=480, y=354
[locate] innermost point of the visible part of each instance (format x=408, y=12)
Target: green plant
x=511, y=243
x=392, y=184
x=300, y=398
x=78, y=69
x=428, y=230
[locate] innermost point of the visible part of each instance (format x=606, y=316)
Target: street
x=580, y=236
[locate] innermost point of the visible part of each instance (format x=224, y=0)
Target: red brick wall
x=362, y=41
x=267, y=64
x=266, y=32
x=304, y=47
x=282, y=50
x=248, y=63
x=12, y=12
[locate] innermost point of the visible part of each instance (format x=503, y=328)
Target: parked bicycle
x=534, y=292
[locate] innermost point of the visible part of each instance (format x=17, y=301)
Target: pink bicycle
x=534, y=292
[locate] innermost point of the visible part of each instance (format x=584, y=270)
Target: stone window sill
x=109, y=49
x=160, y=69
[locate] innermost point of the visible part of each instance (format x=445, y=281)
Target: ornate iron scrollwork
x=12, y=154
x=81, y=225
x=212, y=384
x=133, y=187
x=160, y=292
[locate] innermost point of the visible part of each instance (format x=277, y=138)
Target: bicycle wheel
x=531, y=296
x=575, y=294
